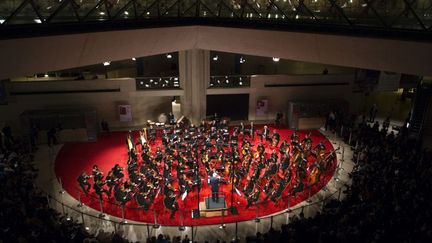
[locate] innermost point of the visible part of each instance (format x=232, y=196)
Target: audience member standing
x=372, y=112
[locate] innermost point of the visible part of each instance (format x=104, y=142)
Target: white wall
x=279, y=97
x=20, y=57
x=145, y=104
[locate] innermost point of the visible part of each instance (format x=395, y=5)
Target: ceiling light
x=169, y=56
x=87, y=228
x=106, y=63
x=148, y=13
x=126, y=12
x=46, y=75
x=215, y=57
x=240, y=83
x=2, y=21
x=38, y=21
x=133, y=59
x=276, y=59
x=242, y=60
x=175, y=78
x=101, y=13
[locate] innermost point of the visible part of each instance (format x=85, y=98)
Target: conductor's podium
x=208, y=208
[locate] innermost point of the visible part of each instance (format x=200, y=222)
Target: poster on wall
x=125, y=113
x=262, y=107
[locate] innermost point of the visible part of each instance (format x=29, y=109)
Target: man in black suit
x=214, y=183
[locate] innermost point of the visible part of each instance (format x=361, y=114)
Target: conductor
x=214, y=183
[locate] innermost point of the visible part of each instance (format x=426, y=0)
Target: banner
x=125, y=113
x=262, y=107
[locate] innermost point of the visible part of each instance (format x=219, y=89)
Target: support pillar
x=194, y=72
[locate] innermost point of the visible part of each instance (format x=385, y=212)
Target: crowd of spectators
x=24, y=210
x=386, y=202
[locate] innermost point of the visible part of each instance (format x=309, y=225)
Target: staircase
x=421, y=105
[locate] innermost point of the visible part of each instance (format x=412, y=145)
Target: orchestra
x=213, y=153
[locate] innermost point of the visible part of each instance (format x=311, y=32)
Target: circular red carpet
x=110, y=149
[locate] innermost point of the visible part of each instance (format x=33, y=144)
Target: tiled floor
x=135, y=231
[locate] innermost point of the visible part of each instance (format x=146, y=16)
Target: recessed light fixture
x=133, y=59
x=101, y=13
x=106, y=63
x=126, y=13
x=169, y=56
x=276, y=59
x=215, y=57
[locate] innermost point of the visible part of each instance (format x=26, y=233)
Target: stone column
x=194, y=72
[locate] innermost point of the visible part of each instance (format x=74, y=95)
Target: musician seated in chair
x=253, y=197
x=275, y=138
x=83, y=182
x=98, y=186
x=171, y=203
x=298, y=187
x=143, y=200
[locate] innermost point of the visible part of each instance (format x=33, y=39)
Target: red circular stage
x=110, y=149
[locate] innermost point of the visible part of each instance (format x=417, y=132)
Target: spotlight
x=126, y=13
x=276, y=59
x=2, y=21
x=38, y=21
x=215, y=57
x=133, y=59
x=106, y=63
x=101, y=13
x=242, y=60
x=169, y=56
